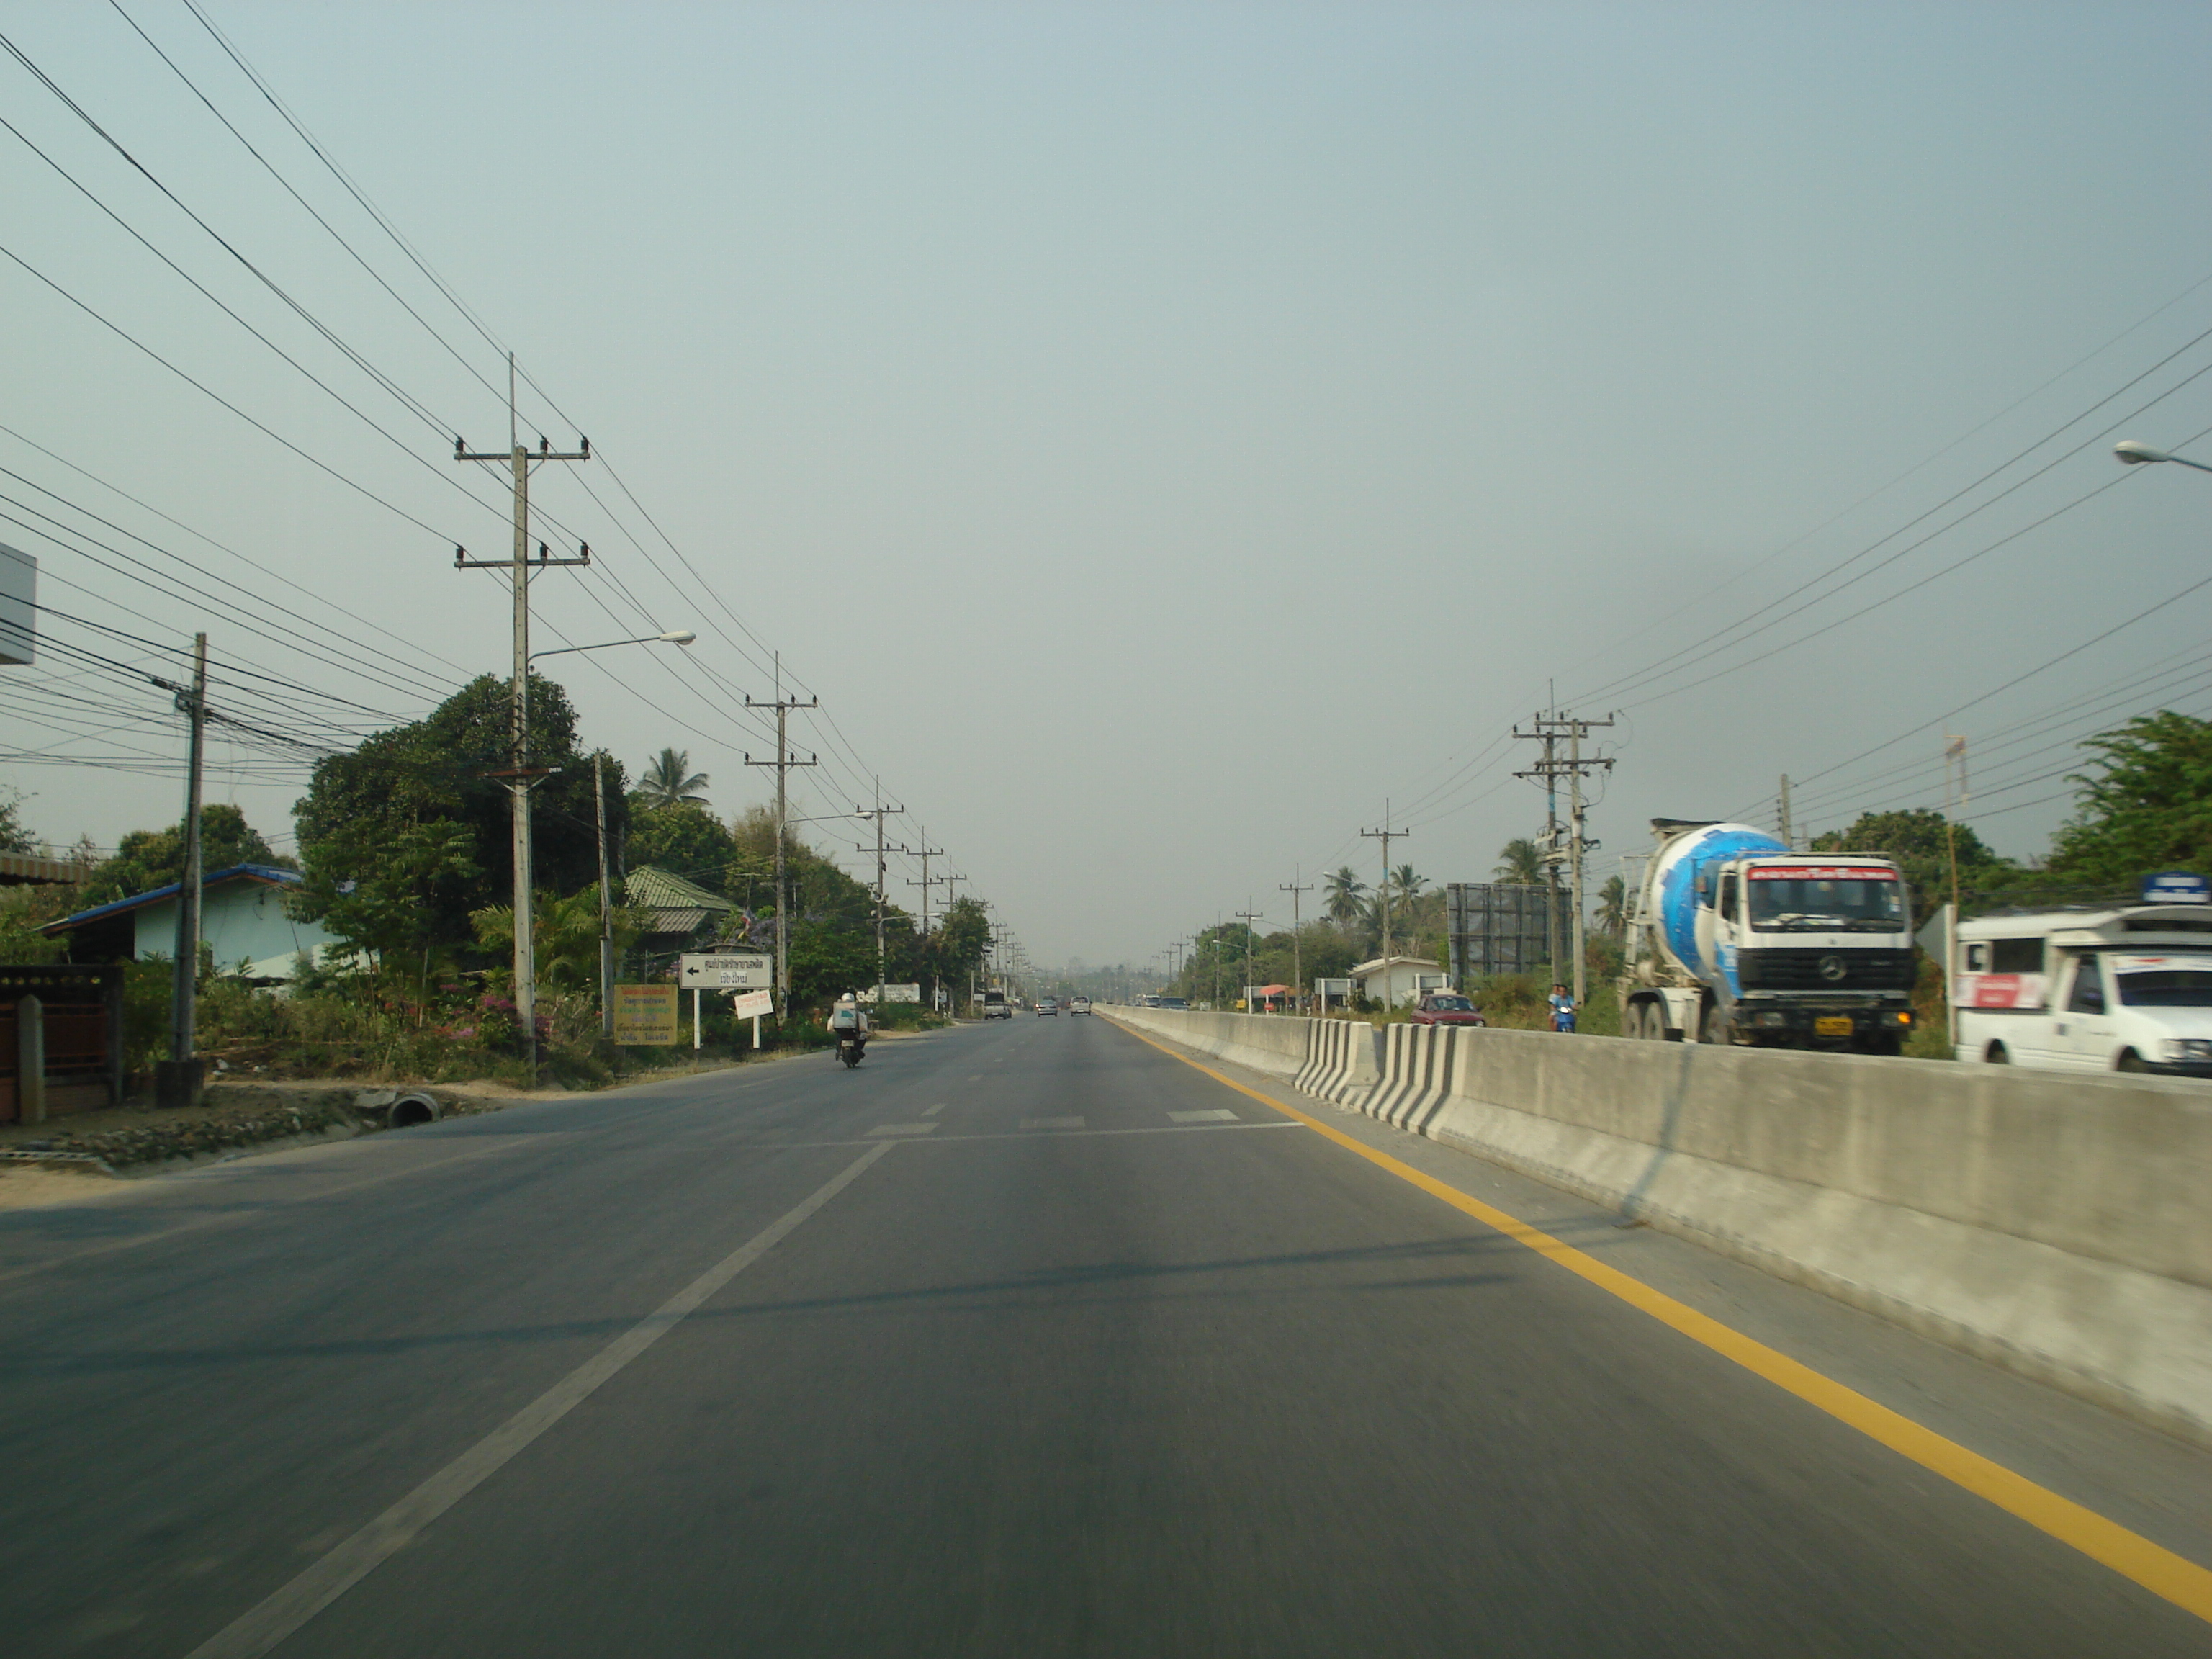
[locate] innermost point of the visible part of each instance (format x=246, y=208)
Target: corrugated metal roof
x=656, y=890
x=23, y=868
x=269, y=874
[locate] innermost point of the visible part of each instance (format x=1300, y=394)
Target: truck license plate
x=1832, y=1025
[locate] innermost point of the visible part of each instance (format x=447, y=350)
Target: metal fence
x=1500, y=928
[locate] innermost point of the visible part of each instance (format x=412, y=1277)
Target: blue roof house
x=243, y=922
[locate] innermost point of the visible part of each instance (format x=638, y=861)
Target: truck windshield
x=1825, y=907
x=2167, y=988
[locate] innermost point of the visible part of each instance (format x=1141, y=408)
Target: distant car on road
x=1447, y=1008
x=1170, y=1002
x=1080, y=1006
x=1048, y=1005
x=1148, y=1000
x=995, y=1006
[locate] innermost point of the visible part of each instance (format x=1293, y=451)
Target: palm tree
x=1520, y=861
x=1408, y=885
x=1612, y=907
x=1346, y=891
x=670, y=782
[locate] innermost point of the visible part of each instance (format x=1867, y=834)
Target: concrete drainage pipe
x=411, y=1109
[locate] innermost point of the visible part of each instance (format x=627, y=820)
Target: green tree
x=384, y=893
x=685, y=840
x=1520, y=861
x=564, y=936
x=440, y=770
x=2148, y=808
x=1920, y=840
x=1612, y=907
x=1406, y=884
x=1345, y=895
x=669, y=781
x=14, y=837
x=148, y=859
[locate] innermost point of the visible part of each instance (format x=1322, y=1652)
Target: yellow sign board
x=645, y=1014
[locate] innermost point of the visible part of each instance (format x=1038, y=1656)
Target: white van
x=2125, y=989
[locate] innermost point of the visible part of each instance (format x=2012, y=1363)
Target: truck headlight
x=1905, y=1018
x=2184, y=1049
x=1772, y=1018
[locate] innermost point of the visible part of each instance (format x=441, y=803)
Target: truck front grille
x=1802, y=971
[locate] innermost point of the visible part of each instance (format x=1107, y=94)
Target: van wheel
x=1996, y=1055
x=2130, y=1060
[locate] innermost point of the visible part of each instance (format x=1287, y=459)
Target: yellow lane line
x=2160, y=1570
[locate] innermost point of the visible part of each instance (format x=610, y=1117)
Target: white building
x=1393, y=981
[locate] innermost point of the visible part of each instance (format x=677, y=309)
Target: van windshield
x=1825, y=907
x=2167, y=988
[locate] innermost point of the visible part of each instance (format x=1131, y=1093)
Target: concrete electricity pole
x=782, y=763
x=1298, y=965
x=1251, y=935
x=1551, y=728
x=1788, y=839
x=520, y=776
x=1386, y=835
x=606, y=901
x=878, y=812
x=181, y=1085
x=924, y=853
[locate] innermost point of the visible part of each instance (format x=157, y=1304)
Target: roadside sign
x=752, y=1005
x=2176, y=887
x=893, y=993
x=645, y=1014
x=706, y=973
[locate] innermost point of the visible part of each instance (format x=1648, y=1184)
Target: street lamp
x=2134, y=454
x=674, y=637
x=525, y=926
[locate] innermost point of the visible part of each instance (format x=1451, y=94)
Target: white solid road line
x=268, y=1623
x=904, y=1129
x=1214, y=1116
x=1052, y=1123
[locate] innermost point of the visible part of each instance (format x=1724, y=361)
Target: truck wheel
x=1997, y=1055
x=1712, y=1026
x=2130, y=1061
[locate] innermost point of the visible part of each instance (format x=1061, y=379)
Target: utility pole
x=782, y=763
x=1386, y=835
x=606, y=900
x=1550, y=730
x=1297, y=966
x=924, y=853
x=1248, y=917
x=1788, y=839
x=520, y=776
x=878, y=812
x=1954, y=756
x=183, y=1079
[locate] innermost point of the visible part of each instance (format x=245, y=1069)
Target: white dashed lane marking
x=1215, y=1116
x=935, y=1109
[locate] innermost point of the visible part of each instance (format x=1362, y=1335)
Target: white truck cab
x=2124, y=988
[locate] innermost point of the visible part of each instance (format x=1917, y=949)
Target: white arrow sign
x=726, y=973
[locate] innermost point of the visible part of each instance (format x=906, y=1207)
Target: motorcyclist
x=1563, y=1009
x=848, y=1020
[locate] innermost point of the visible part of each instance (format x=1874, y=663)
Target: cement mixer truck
x=1736, y=938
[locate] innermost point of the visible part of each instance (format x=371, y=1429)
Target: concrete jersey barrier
x=2054, y=1224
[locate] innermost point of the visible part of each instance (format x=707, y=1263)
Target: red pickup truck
x=1447, y=1008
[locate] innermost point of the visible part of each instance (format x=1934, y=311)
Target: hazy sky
x=1161, y=435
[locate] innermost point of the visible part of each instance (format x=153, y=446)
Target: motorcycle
x=850, y=1048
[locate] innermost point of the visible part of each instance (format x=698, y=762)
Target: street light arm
x=674, y=637
x=2133, y=452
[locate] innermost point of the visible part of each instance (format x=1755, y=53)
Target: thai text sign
x=645, y=1014
x=704, y=973
x=752, y=1005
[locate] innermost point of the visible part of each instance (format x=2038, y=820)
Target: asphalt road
x=1027, y=1339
